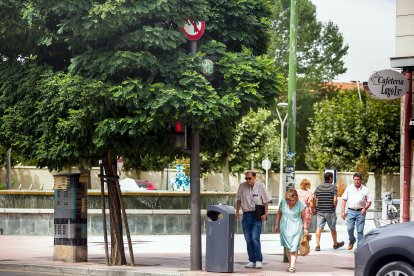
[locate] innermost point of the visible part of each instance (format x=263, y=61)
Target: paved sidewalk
x=170, y=255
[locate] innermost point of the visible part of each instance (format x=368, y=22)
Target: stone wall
x=32, y=178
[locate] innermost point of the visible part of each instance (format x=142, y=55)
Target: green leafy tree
x=320, y=46
x=256, y=138
x=336, y=136
x=345, y=131
x=363, y=168
x=320, y=57
x=383, y=135
x=88, y=80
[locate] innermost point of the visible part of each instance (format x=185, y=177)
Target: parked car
x=145, y=184
x=132, y=185
x=387, y=251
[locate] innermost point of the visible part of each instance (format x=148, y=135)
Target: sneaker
x=317, y=248
x=351, y=245
x=291, y=269
x=339, y=244
x=259, y=264
x=250, y=265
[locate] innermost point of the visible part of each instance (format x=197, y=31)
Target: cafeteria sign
x=387, y=85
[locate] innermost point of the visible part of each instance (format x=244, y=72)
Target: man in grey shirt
x=250, y=194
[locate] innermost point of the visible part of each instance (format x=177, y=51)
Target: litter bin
x=220, y=238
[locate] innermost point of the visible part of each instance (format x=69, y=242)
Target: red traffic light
x=178, y=127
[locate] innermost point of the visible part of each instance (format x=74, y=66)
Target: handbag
x=304, y=246
x=259, y=211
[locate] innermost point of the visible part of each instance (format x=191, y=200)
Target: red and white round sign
x=193, y=30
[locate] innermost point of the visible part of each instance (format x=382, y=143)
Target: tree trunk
x=162, y=181
x=117, y=243
x=138, y=174
x=378, y=190
x=226, y=174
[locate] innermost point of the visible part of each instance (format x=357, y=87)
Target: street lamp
x=282, y=124
x=359, y=90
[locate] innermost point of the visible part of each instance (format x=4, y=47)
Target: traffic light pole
x=195, y=206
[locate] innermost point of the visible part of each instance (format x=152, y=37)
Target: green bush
x=2, y=186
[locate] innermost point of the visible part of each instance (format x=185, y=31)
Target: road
x=25, y=273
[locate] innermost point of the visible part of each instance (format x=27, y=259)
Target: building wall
x=404, y=33
x=404, y=49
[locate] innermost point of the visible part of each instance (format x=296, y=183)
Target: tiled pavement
x=170, y=255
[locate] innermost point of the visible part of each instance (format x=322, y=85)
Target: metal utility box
x=220, y=238
x=70, y=217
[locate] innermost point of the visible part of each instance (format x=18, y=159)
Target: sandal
x=291, y=269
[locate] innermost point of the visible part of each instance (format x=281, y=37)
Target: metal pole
x=195, y=210
x=282, y=139
x=407, y=150
x=291, y=122
x=291, y=127
x=359, y=91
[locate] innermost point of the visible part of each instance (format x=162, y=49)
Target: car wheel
x=396, y=269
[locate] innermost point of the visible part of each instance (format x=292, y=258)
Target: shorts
x=323, y=218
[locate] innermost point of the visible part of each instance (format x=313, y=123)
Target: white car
x=132, y=185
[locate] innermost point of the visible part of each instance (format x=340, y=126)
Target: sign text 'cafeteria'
x=388, y=84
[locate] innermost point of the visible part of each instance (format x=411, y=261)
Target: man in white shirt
x=357, y=198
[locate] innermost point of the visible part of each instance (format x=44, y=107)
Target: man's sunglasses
x=248, y=178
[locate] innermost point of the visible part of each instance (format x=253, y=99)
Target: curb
x=66, y=270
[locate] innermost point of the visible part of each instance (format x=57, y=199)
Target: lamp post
x=359, y=90
x=282, y=124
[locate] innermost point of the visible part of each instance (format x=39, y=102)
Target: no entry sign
x=193, y=30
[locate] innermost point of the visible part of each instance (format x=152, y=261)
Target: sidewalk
x=170, y=255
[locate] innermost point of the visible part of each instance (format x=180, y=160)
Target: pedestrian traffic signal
x=178, y=127
x=180, y=136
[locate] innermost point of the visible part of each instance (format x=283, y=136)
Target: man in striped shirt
x=326, y=200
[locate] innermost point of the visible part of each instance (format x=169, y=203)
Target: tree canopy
x=320, y=46
x=80, y=78
x=346, y=130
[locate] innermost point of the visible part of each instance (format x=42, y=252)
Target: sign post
x=266, y=166
x=193, y=30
